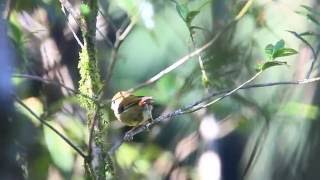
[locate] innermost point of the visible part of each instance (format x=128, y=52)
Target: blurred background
x=260, y=133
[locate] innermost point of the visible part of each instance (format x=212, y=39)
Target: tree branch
x=91, y=133
x=121, y=34
x=78, y=150
x=184, y=110
x=53, y=82
x=314, y=53
x=184, y=59
x=196, y=52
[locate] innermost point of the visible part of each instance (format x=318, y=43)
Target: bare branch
x=229, y=93
x=90, y=143
x=121, y=34
x=53, y=82
x=75, y=35
x=184, y=110
x=196, y=52
x=184, y=59
x=46, y=81
x=314, y=53
x=78, y=150
x=65, y=4
x=68, y=6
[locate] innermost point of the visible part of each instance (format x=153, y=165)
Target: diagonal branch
x=229, y=93
x=65, y=4
x=78, y=150
x=314, y=53
x=185, y=110
x=121, y=34
x=53, y=82
x=196, y=52
x=184, y=59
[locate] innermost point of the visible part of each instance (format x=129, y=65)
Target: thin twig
x=76, y=16
x=68, y=6
x=314, y=53
x=78, y=150
x=121, y=34
x=229, y=93
x=95, y=118
x=256, y=150
x=75, y=34
x=46, y=81
x=183, y=60
x=49, y=81
x=196, y=52
x=200, y=61
x=65, y=4
x=184, y=110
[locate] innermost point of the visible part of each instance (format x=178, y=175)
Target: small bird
x=130, y=109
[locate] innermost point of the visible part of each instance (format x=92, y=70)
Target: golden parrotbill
x=130, y=109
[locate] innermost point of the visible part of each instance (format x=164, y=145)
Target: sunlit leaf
x=300, y=110
x=270, y=64
x=127, y=154
x=278, y=50
x=60, y=152
x=269, y=51
x=73, y=127
x=35, y=105
x=205, y=80
x=142, y=165
x=84, y=9
x=284, y=52
x=279, y=45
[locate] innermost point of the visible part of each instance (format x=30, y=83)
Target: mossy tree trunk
x=99, y=165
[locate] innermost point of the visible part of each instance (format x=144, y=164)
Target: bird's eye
x=120, y=109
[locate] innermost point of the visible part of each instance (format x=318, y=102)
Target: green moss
x=89, y=83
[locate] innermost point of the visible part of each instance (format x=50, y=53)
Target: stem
x=190, y=108
x=50, y=127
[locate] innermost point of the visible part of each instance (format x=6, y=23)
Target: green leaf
x=60, y=152
x=307, y=7
x=279, y=45
x=312, y=10
x=270, y=64
x=190, y=16
x=37, y=108
x=284, y=52
x=308, y=33
x=278, y=50
x=182, y=10
x=297, y=109
x=15, y=33
x=205, y=80
x=127, y=154
x=313, y=19
x=268, y=50
x=85, y=9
